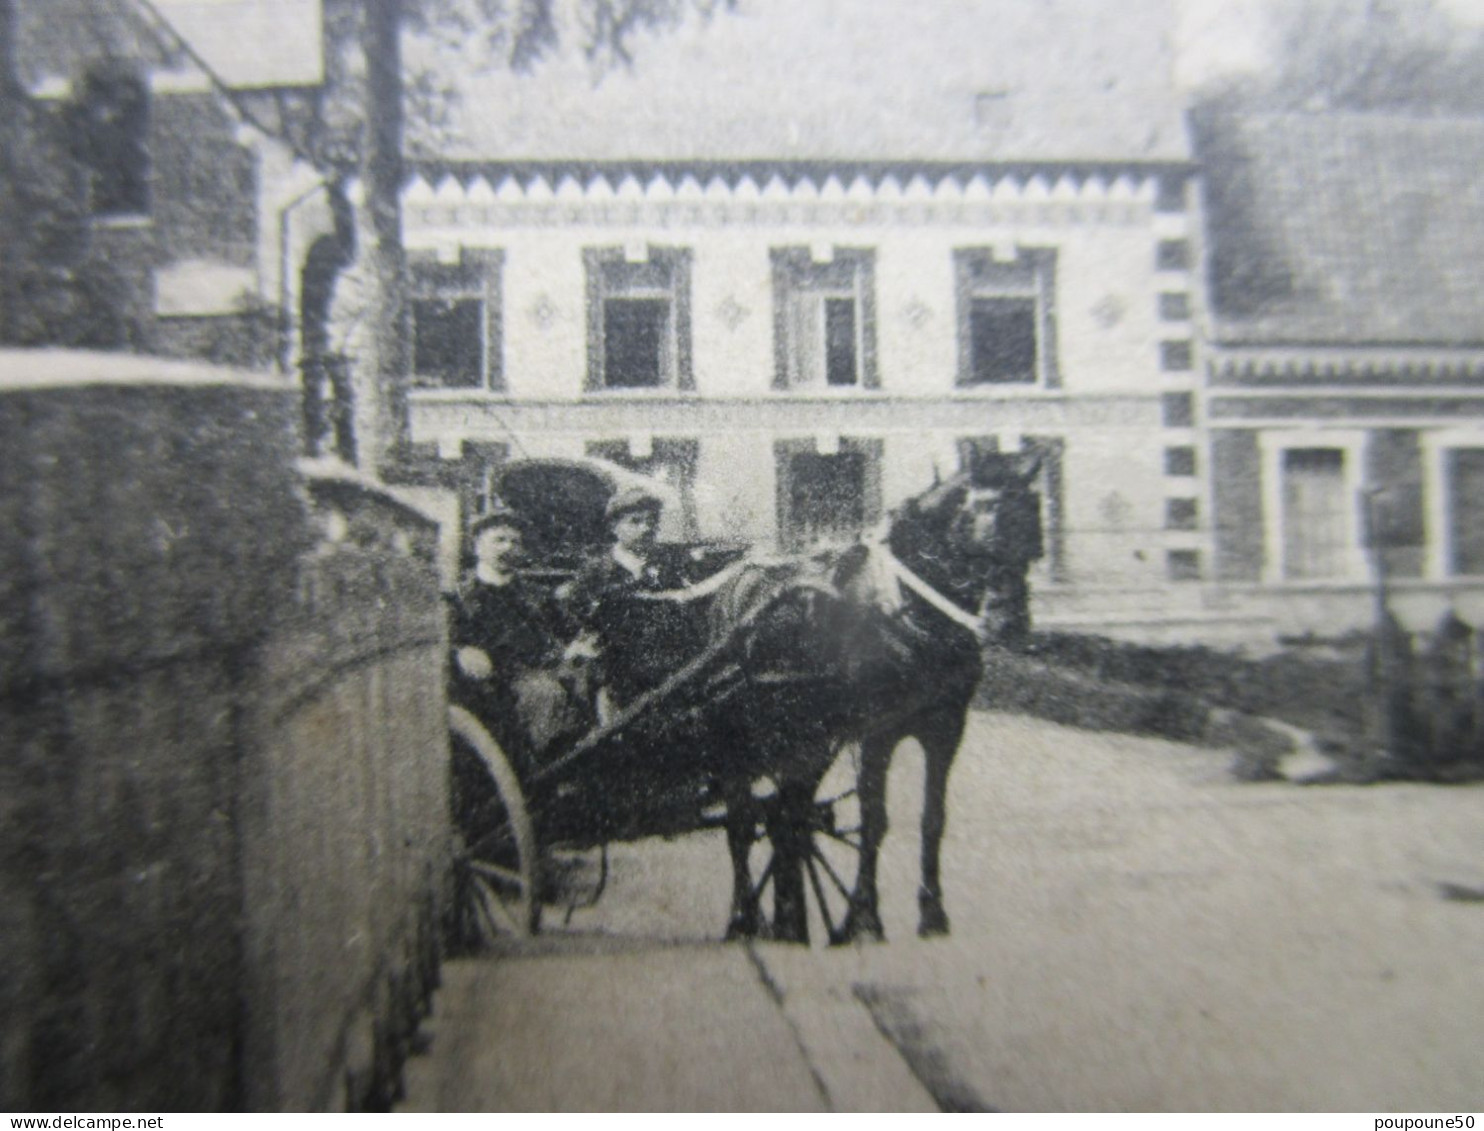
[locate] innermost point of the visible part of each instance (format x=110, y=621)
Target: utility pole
x=11, y=122
x=1389, y=690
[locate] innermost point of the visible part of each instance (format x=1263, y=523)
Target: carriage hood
x=562, y=503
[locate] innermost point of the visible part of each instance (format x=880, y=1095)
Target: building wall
x=1105, y=407
x=1396, y=420
x=121, y=891
x=226, y=848
x=193, y=271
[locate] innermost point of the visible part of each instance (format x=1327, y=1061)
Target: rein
x=896, y=570
x=888, y=568
x=699, y=590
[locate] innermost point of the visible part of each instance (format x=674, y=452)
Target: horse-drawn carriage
x=775, y=719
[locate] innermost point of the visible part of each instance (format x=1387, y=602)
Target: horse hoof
x=932, y=921
x=861, y=927
x=741, y=929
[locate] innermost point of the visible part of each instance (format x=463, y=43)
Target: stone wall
x=345, y=836
x=222, y=750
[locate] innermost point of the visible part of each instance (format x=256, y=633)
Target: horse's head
x=987, y=513
x=972, y=539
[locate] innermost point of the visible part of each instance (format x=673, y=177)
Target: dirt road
x=1132, y=929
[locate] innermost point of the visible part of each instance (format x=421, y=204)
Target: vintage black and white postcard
x=818, y=555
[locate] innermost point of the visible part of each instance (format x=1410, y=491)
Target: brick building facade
x=151, y=215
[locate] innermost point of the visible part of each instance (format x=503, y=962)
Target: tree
x=1361, y=55
x=1374, y=57
x=369, y=84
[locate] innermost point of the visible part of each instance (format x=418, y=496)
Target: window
x=1183, y=565
x=1007, y=326
x=1465, y=477
x=638, y=319
x=1171, y=194
x=669, y=460
x=1177, y=410
x=448, y=340
x=111, y=139
x=1316, y=514
x=1174, y=306
x=471, y=478
x=456, y=321
x=1176, y=357
x=827, y=497
x=824, y=319
x=1180, y=461
x=1181, y=514
x=1172, y=255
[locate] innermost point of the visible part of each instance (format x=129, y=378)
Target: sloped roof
x=854, y=80
x=252, y=43
x=1345, y=229
x=247, y=43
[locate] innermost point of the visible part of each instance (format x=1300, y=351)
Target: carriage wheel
x=810, y=857
x=496, y=879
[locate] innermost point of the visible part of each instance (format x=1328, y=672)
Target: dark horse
x=887, y=645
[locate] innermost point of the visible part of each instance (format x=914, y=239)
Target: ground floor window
x=671, y=461
x=1048, y=453
x=827, y=496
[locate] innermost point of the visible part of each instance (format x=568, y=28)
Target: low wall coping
x=329, y=476
x=44, y=369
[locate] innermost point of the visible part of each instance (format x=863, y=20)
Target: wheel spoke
x=489, y=929
x=824, y=908
x=830, y=871
x=492, y=843
x=490, y=899
x=762, y=881
x=844, y=837
x=495, y=872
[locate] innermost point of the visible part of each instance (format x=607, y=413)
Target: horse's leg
x=940, y=741
x=788, y=828
x=741, y=824
x=864, y=917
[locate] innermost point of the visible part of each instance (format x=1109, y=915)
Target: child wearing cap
x=640, y=641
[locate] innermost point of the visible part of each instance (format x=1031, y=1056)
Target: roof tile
x=1345, y=228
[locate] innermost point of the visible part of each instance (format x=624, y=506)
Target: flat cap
x=632, y=499
x=497, y=515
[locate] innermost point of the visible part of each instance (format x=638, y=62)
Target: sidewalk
x=680, y=1028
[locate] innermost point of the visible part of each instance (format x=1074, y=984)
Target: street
x=1132, y=930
